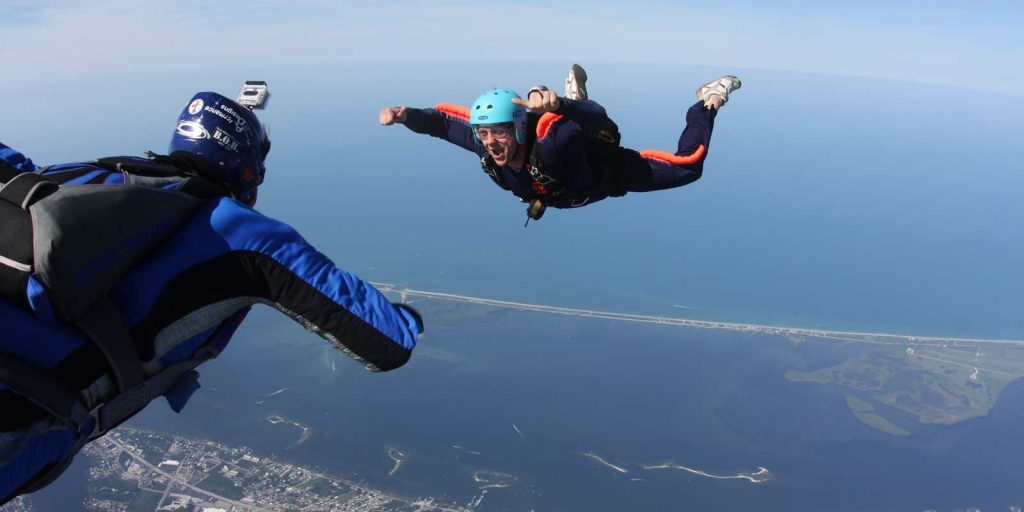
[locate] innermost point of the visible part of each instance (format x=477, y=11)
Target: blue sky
x=976, y=45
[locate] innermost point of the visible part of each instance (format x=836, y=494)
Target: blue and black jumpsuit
x=191, y=294
x=562, y=139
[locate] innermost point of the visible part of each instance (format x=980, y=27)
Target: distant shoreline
x=875, y=337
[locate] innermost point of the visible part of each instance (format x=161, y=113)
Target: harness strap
x=40, y=388
x=605, y=164
x=123, y=406
x=7, y=172
x=105, y=327
x=537, y=174
x=489, y=167
x=27, y=188
x=110, y=414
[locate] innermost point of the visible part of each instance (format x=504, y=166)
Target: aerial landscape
x=499, y=467
x=830, y=318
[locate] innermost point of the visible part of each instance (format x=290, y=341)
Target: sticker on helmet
x=195, y=107
x=192, y=130
x=225, y=140
x=219, y=114
x=240, y=124
x=235, y=118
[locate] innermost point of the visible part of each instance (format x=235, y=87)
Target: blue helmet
x=496, y=107
x=226, y=142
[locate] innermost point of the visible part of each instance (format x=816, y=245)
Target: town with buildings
x=138, y=470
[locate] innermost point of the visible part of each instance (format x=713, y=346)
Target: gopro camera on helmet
x=254, y=95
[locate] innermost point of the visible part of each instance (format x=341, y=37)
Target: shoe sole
x=717, y=82
x=578, y=73
x=579, y=77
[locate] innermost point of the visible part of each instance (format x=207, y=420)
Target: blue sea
x=531, y=393
x=833, y=202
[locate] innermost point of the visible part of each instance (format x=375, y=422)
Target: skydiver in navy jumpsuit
x=561, y=129
x=186, y=298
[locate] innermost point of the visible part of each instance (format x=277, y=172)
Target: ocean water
x=68, y=493
x=532, y=405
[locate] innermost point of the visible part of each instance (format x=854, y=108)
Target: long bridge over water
x=860, y=337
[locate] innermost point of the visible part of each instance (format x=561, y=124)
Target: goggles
x=499, y=131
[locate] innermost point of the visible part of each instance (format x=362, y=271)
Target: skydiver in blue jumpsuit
x=181, y=304
x=564, y=151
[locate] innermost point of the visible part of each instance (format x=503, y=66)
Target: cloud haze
x=954, y=45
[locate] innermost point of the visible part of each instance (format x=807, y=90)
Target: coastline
x=839, y=335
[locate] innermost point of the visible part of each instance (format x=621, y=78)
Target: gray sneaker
x=719, y=87
x=576, y=83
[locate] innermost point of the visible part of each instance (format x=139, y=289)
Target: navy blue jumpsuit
x=562, y=137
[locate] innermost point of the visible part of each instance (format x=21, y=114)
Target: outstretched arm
x=228, y=257
x=191, y=294
x=445, y=121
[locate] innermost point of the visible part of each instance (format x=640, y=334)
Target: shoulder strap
x=7, y=172
x=139, y=166
x=161, y=170
x=27, y=188
x=491, y=170
x=106, y=328
x=536, y=169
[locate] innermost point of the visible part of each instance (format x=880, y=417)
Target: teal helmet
x=496, y=107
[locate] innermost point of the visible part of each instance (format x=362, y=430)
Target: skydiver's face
x=499, y=140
